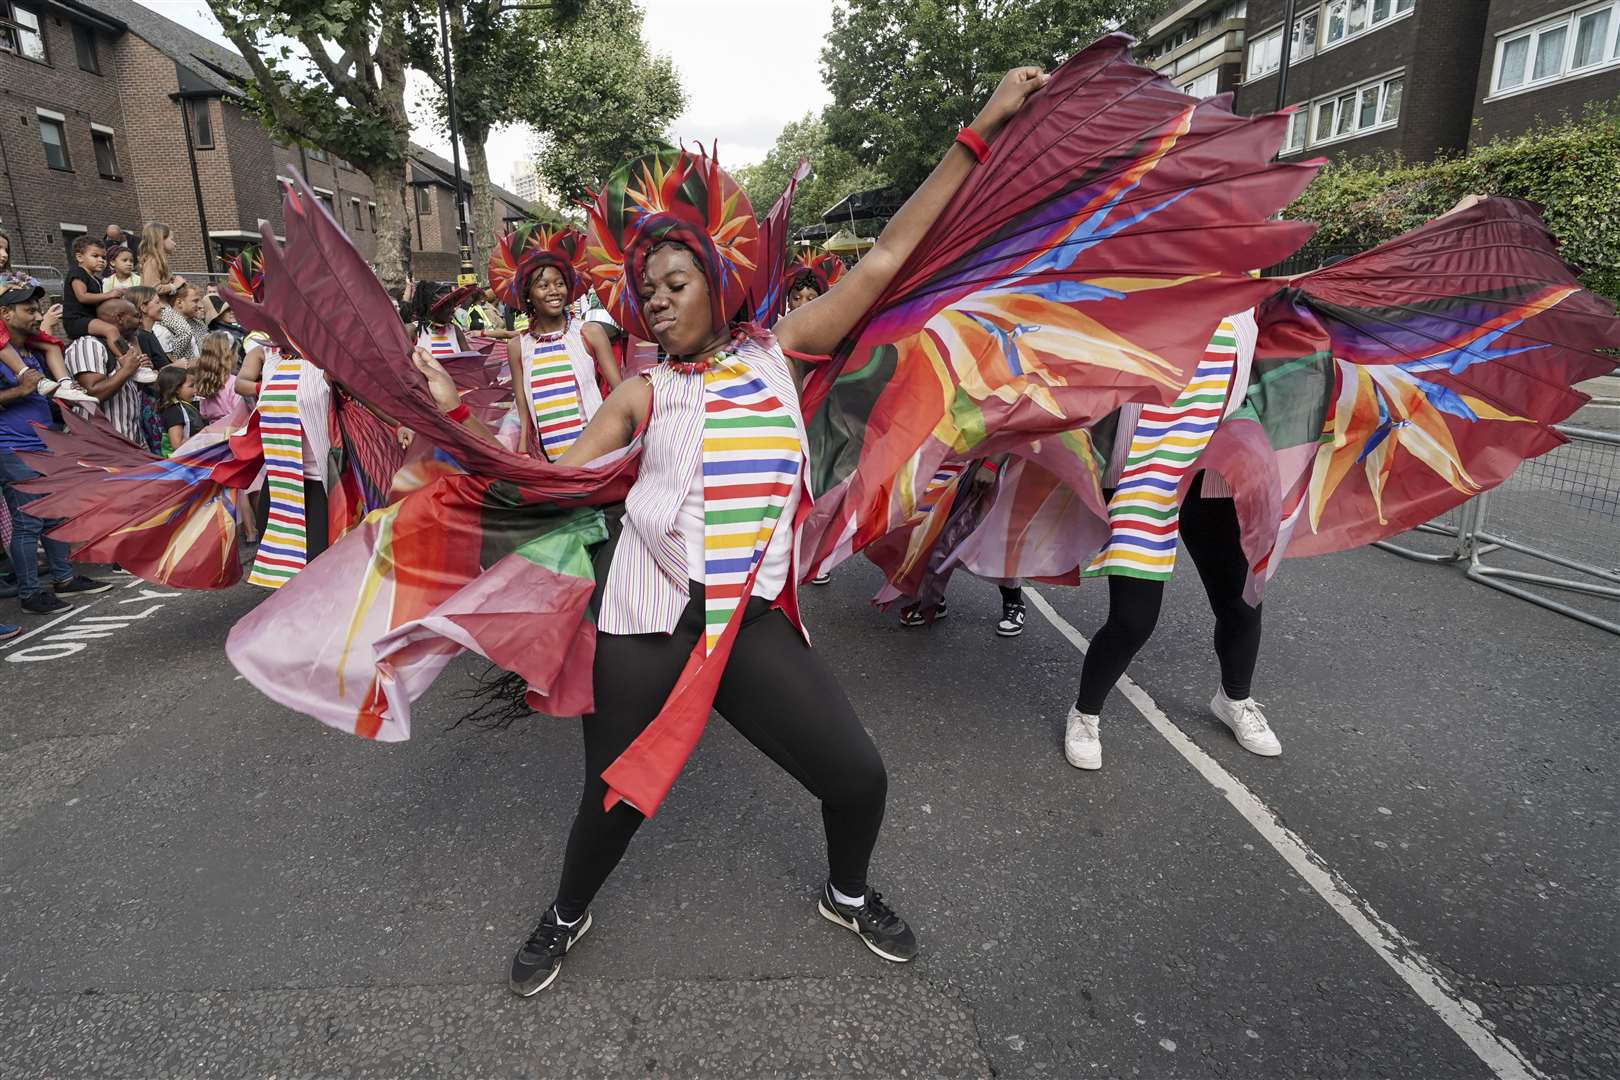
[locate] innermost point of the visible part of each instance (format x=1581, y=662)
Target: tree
x=497, y=51
x=598, y=97
x=834, y=172
x=333, y=75
x=906, y=74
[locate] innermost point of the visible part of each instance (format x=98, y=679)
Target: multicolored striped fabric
x=554, y=394
x=937, y=484
x=441, y=342
x=284, y=550
x=1145, y=511
x=752, y=459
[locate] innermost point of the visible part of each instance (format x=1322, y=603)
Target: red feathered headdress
x=524, y=251
x=671, y=194
x=823, y=266
x=245, y=274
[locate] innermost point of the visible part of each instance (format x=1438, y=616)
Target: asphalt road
x=196, y=883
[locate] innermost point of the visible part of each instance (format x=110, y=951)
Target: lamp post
x=467, y=275
x=1282, y=65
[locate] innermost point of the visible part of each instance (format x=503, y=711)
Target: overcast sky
x=748, y=66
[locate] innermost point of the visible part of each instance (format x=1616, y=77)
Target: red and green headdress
x=245, y=274
x=671, y=194
x=524, y=251
x=823, y=267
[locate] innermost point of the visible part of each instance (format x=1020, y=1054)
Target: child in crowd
x=182, y=324
x=83, y=291
x=122, y=262
x=177, y=411
x=213, y=375
x=156, y=246
x=5, y=252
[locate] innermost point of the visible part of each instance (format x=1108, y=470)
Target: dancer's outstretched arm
x=818, y=327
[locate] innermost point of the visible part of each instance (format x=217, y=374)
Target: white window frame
x=1570, y=19
x=1354, y=92
x=103, y=129
x=1393, y=17
x=1249, y=73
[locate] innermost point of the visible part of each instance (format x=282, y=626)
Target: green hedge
x=1571, y=168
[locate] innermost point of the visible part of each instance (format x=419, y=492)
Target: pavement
x=195, y=882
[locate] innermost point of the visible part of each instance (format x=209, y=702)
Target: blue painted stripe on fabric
x=1167, y=544
x=1149, y=482
x=752, y=386
x=754, y=465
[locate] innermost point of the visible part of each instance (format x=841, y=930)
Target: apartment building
x=1198, y=45
x=1543, y=59
x=126, y=116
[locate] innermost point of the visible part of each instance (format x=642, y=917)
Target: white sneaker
x=1082, y=744
x=46, y=387
x=70, y=391
x=145, y=375
x=1247, y=722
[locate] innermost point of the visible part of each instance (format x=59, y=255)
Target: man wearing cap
x=22, y=409
x=114, y=383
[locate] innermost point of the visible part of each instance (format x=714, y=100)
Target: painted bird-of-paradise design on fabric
x=171, y=520
x=1085, y=264
x=1398, y=384
x=678, y=195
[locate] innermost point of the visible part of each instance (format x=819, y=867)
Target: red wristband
x=975, y=144
x=459, y=413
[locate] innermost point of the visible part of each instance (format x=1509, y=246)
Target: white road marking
x=72, y=613
x=1427, y=982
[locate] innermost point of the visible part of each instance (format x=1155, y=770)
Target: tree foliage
x=1570, y=168
x=906, y=74
x=332, y=74
x=834, y=172
x=597, y=96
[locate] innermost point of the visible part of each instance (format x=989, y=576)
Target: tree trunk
x=393, y=226
x=486, y=223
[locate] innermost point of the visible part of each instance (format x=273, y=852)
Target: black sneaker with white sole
x=80, y=585
x=913, y=616
x=874, y=922
x=1012, y=620
x=537, y=965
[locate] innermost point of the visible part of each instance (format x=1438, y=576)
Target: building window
x=53, y=135
x=19, y=31
x=202, y=124
x=84, y=45
x=326, y=200
x=1298, y=123
x=106, y=152
x=317, y=154
x=1351, y=112
x=354, y=212
x=1576, y=43
x=1204, y=86
x=1349, y=18
x=372, y=207
x=1303, y=47
x=424, y=200
x=1265, y=54
x=343, y=164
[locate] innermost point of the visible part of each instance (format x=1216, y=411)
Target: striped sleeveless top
x=646, y=587
x=561, y=393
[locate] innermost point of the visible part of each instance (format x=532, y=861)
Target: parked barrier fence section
x=1554, y=524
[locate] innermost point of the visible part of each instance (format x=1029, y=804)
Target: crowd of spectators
x=156, y=356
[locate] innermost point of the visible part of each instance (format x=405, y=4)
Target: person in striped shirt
x=706, y=562
x=115, y=383
x=1138, y=559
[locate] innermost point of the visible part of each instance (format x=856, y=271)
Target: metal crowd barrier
x=1560, y=511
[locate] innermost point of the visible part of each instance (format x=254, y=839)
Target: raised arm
x=818, y=327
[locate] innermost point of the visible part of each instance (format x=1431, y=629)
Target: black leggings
x=315, y=524
x=777, y=692
x=1209, y=529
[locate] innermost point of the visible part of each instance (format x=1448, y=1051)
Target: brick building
x=126, y=116
x=1543, y=60
x=1425, y=77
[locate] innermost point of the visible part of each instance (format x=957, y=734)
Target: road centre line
x=1463, y=1016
